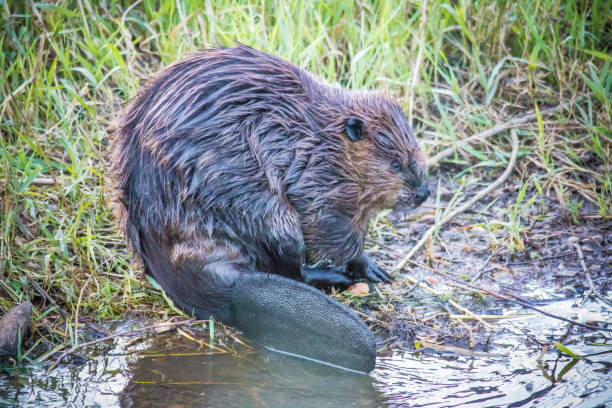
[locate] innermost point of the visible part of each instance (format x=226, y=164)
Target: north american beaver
x=235, y=169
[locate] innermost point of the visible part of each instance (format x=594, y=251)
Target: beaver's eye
x=396, y=165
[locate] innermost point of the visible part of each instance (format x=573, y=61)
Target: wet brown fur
x=233, y=160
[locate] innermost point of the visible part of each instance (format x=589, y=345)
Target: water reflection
x=254, y=380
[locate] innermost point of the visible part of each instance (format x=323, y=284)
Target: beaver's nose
x=421, y=194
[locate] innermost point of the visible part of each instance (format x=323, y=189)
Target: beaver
x=242, y=181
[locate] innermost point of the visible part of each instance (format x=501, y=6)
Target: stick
x=16, y=92
x=587, y=276
x=76, y=312
x=472, y=315
x=435, y=161
x=465, y=206
x=491, y=317
x=453, y=349
x=517, y=300
x=417, y=64
x=44, y=181
x=48, y=297
x=123, y=333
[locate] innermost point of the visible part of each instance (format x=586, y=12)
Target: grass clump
x=459, y=67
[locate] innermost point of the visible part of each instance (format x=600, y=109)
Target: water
x=169, y=370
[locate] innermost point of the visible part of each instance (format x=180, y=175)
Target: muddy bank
x=440, y=342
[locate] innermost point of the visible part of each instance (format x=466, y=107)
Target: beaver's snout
x=421, y=194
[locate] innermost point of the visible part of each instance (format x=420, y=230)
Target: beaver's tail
x=279, y=313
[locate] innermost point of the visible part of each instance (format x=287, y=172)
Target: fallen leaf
x=359, y=288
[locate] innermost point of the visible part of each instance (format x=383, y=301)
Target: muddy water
x=169, y=370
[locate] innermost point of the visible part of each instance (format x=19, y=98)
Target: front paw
x=367, y=269
x=323, y=277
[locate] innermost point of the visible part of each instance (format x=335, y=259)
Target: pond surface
x=172, y=370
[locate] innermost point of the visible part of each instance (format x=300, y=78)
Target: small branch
x=44, y=181
x=48, y=297
x=472, y=315
x=544, y=258
x=587, y=276
x=519, y=301
x=516, y=300
x=490, y=317
x=16, y=92
x=465, y=206
x=453, y=349
x=119, y=334
x=481, y=270
x=469, y=329
x=435, y=161
x=78, y=306
x=419, y=59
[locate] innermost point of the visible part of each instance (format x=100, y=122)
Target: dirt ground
x=540, y=258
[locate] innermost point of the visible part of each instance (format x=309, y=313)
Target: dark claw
x=365, y=268
x=376, y=273
x=324, y=277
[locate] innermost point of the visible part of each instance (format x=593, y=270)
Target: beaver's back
x=216, y=142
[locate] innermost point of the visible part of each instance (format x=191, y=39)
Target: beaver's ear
x=355, y=129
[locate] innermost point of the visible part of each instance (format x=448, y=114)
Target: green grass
x=67, y=69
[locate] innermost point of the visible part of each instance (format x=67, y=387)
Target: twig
x=481, y=270
x=119, y=334
x=419, y=59
x=76, y=312
x=44, y=181
x=469, y=329
x=48, y=297
x=435, y=161
x=465, y=206
x=474, y=316
x=419, y=283
x=16, y=92
x=454, y=349
x=587, y=275
x=491, y=317
x=544, y=258
x=517, y=300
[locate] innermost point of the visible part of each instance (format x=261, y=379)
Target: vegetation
x=459, y=68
